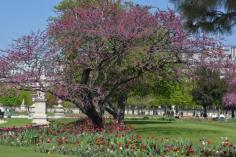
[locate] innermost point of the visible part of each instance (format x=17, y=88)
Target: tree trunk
x=121, y=107
x=204, y=111
x=233, y=113
x=89, y=109
x=87, y=106
x=96, y=118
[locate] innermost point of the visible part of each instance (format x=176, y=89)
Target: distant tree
x=208, y=15
x=165, y=93
x=181, y=96
x=229, y=100
x=208, y=88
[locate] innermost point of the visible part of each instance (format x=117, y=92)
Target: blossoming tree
x=229, y=98
x=230, y=102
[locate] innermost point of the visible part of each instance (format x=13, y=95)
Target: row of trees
x=95, y=53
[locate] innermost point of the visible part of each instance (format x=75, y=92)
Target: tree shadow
x=176, y=131
x=137, y=122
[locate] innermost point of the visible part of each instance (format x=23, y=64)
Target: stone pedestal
x=59, y=111
x=39, y=116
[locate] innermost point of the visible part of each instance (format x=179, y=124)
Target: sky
x=20, y=17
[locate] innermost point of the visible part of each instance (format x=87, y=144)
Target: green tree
x=208, y=15
x=51, y=100
x=27, y=97
x=208, y=89
x=181, y=96
x=166, y=93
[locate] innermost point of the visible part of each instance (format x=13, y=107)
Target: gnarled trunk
x=96, y=118
x=89, y=109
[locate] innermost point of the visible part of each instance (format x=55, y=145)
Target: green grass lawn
x=185, y=129
x=6, y=151
x=15, y=122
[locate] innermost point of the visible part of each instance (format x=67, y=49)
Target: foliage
x=208, y=15
x=164, y=92
x=181, y=96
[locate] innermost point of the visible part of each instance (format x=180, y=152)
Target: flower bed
x=82, y=139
